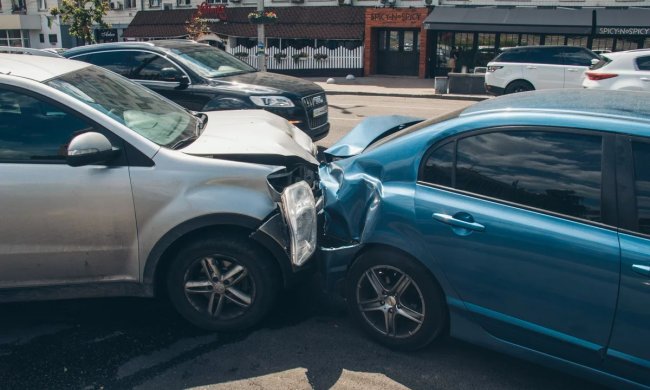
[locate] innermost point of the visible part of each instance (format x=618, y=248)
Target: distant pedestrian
x=453, y=59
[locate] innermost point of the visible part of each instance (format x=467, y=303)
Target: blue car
x=521, y=223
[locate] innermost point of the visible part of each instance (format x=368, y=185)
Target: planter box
x=263, y=20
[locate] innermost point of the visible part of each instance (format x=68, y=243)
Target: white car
x=528, y=68
x=624, y=70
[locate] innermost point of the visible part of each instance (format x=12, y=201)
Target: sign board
x=397, y=17
x=106, y=35
x=623, y=31
x=213, y=13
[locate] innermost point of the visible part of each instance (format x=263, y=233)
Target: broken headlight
x=299, y=209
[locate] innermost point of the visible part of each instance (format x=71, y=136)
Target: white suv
x=538, y=67
x=625, y=70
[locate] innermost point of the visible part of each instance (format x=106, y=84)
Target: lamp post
x=261, y=40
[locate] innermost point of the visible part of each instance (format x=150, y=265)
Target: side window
x=154, y=67
x=547, y=55
x=641, y=152
x=511, y=55
x=120, y=62
x=439, y=166
x=558, y=172
x=577, y=56
x=32, y=130
x=643, y=63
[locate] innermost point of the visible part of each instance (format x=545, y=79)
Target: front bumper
x=492, y=90
x=333, y=264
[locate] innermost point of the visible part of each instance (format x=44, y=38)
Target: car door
x=577, y=61
x=628, y=353
x=643, y=72
x=60, y=224
x=543, y=68
x=519, y=222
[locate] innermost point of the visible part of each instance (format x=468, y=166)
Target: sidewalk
x=388, y=86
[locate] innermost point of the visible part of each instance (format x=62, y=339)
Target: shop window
x=627, y=44
x=554, y=40
x=409, y=40
x=486, y=49
x=646, y=44
x=273, y=42
x=603, y=44
x=246, y=42
x=393, y=41
x=530, y=40
x=508, y=40
x=576, y=41
x=298, y=43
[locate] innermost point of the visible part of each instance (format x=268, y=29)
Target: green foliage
x=81, y=16
x=320, y=56
x=241, y=54
x=296, y=57
x=197, y=26
x=279, y=56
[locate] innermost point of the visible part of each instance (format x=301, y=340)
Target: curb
x=475, y=98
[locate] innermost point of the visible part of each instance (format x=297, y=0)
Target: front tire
x=225, y=283
x=395, y=300
x=519, y=86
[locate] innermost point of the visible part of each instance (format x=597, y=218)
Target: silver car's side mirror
x=90, y=148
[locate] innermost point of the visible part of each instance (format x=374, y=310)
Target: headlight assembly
x=272, y=101
x=299, y=209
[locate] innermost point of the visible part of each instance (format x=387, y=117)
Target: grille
x=310, y=103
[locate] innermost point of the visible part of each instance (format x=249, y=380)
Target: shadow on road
x=306, y=342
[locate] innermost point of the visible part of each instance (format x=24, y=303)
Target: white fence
x=340, y=58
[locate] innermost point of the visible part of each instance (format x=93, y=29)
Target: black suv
x=203, y=78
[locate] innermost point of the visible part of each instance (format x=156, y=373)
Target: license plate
x=320, y=111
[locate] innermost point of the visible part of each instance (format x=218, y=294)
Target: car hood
x=255, y=136
x=368, y=131
x=274, y=83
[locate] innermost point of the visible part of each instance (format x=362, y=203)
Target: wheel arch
x=519, y=81
x=168, y=245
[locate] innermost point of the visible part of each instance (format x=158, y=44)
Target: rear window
x=604, y=60
x=643, y=63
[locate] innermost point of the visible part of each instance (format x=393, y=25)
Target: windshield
x=210, y=62
x=133, y=105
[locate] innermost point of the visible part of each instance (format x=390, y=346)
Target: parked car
x=528, y=68
x=624, y=70
x=28, y=51
x=203, y=78
x=109, y=189
x=521, y=223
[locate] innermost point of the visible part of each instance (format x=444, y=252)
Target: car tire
x=519, y=86
x=405, y=316
x=225, y=283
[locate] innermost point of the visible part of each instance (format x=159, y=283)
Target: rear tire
x=395, y=300
x=519, y=86
x=224, y=283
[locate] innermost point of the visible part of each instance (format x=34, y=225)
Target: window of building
x=154, y=3
x=529, y=40
x=217, y=1
x=554, y=40
x=641, y=152
x=577, y=41
x=41, y=38
x=128, y=4
x=14, y=38
x=53, y=38
x=42, y=4
x=32, y=130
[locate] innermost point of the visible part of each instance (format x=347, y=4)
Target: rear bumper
x=492, y=90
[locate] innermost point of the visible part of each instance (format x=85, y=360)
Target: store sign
x=213, y=13
x=395, y=17
x=106, y=35
x=624, y=30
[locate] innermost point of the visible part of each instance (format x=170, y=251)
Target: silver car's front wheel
x=395, y=299
x=224, y=283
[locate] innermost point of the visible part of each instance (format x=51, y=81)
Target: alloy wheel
x=390, y=301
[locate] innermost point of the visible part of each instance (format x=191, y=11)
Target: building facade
x=25, y=23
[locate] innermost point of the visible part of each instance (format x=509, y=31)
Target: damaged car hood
x=251, y=135
x=368, y=131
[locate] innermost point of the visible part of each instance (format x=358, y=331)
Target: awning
x=511, y=20
x=630, y=21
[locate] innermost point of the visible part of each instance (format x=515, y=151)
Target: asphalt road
x=307, y=342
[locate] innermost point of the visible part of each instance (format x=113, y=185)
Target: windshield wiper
x=184, y=142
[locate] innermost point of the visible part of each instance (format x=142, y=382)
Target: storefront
x=395, y=41
x=467, y=38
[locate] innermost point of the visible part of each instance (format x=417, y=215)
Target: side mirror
x=90, y=148
x=183, y=81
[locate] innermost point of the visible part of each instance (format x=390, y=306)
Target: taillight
x=599, y=76
x=492, y=68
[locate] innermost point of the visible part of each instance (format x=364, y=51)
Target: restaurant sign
x=397, y=17
x=623, y=31
x=213, y=13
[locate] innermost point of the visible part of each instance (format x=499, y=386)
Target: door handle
x=573, y=70
x=645, y=79
x=641, y=269
x=449, y=220
x=531, y=67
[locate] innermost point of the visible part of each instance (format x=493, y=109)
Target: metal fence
x=305, y=58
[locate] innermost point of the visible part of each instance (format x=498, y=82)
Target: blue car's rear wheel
x=395, y=300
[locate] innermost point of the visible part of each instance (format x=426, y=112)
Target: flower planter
x=263, y=20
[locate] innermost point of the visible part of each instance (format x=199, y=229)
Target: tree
x=82, y=15
x=197, y=26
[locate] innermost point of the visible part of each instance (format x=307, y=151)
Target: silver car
x=109, y=189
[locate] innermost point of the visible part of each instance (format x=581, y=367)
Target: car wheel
x=225, y=283
x=395, y=300
x=519, y=86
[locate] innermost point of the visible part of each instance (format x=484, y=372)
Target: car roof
x=150, y=45
x=587, y=102
x=37, y=68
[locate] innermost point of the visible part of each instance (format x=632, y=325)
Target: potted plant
x=320, y=56
x=300, y=56
x=262, y=17
x=241, y=54
x=279, y=56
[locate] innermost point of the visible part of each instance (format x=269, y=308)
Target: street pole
x=261, y=41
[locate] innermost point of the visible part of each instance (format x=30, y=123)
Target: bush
x=241, y=54
x=320, y=56
x=300, y=55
